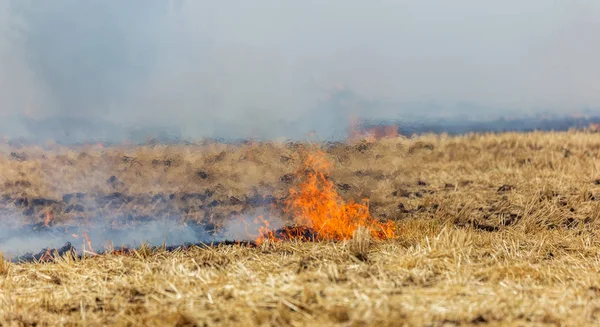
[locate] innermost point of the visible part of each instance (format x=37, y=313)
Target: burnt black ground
x=49, y=254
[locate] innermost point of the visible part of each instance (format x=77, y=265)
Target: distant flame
x=88, y=243
x=372, y=134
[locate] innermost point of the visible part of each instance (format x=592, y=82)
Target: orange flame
x=266, y=234
x=316, y=204
x=88, y=242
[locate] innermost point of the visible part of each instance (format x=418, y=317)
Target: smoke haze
x=271, y=68
x=18, y=240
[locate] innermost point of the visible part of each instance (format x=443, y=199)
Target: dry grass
x=493, y=229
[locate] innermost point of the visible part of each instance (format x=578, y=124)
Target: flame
x=48, y=218
x=88, y=242
x=266, y=234
x=319, y=212
x=316, y=204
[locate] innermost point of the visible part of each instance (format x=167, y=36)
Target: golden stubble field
x=491, y=230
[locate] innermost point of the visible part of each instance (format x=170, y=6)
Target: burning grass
x=316, y=205
x=477, y=229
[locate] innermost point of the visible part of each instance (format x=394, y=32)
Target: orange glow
x=315, y=204
x=356, y=132
x=48, y=219
x=266, y=234
x=47, y=257
x=594, y=128
x=88, y=242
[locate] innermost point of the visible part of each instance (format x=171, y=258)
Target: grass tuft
x=360, y=243
x=4, y=265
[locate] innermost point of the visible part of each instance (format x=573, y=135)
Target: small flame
x=88, y=243
x=316, y=204
x=266, y=234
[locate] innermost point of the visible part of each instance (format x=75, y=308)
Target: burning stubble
x=316, y=210
x=315, y=203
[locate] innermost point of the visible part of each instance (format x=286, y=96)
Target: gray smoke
x=17, y=239
x=271, y=68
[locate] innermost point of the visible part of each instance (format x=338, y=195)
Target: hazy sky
x=196, y=64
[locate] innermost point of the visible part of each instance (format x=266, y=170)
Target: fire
x=316, y=204
x=319, y=213
x=266, y=234
x=356, y=132
x=88, y=243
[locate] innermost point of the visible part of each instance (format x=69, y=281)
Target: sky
x=275, y=67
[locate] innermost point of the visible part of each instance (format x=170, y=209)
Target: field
x=488, y=230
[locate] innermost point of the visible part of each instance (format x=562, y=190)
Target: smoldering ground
x=18, y=240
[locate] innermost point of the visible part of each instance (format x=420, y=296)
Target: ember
x=302, y=233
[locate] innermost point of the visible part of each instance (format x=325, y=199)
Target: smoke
x=269, y=68
x=18, y=239
x=29, y=239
